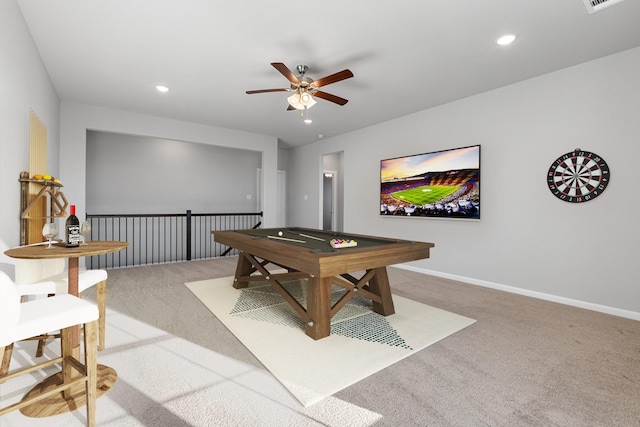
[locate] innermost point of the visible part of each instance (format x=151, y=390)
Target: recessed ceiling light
x=162, y=88
x=506, y=39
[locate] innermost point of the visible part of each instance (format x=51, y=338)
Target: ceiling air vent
x=594, y=6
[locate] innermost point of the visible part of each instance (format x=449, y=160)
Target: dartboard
x=578, y=176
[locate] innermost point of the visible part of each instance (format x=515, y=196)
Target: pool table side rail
x=346, y=260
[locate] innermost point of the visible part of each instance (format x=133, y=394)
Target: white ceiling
x=406, y=55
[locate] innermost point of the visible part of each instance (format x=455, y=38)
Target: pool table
x=308, y=254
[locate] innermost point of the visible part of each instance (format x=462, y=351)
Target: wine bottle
x=72, y=228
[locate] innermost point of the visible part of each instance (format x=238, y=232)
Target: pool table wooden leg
x=379, y=285
x=319, y=308
x=243, y=269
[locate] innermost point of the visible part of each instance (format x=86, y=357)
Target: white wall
x=132, y=174
x=76, y=119
x=527, y=239
x=24, y=85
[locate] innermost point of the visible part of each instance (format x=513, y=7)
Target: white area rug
x=361, y=342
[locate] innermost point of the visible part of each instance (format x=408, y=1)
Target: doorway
x=328, y=200
x=331, y=186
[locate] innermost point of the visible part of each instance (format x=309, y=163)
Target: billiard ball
x=280, y=233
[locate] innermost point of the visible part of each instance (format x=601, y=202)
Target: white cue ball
x=279, y=233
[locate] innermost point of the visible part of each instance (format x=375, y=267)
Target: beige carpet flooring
x=525, y=362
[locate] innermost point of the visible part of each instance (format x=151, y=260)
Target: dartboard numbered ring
x=578, y=176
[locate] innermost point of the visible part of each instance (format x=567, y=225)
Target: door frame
x=334, y=198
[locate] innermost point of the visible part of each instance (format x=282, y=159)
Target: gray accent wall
x=134, y=174
x=527, y=241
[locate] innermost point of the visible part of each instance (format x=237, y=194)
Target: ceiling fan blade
x=249, y=92
x=329, y=97
x=336, y=77
x=290, y=108
x=285, y=71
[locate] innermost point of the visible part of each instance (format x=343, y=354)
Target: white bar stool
x=19, y=321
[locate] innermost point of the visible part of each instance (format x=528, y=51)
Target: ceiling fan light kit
x=305, y=88
x=301, y=100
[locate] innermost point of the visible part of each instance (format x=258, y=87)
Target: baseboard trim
x=539, y=295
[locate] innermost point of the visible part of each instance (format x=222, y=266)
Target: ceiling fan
x=305, y=88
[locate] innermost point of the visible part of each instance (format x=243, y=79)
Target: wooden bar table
x=107, y=376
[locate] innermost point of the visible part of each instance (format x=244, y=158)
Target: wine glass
x=85, y=230
x=50, y=230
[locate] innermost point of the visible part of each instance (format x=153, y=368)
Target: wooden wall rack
x=57, y=202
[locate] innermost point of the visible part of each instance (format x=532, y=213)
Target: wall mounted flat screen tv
x=440, y=184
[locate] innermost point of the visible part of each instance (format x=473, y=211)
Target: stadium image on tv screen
x=440, y=184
